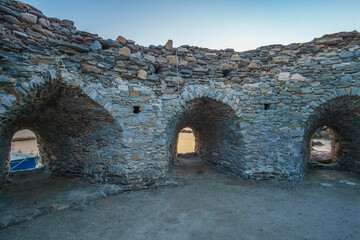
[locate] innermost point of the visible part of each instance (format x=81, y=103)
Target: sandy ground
x=209, y=204
x=186, y=142
x=25, y=146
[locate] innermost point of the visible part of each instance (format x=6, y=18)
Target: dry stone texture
x=111, y=111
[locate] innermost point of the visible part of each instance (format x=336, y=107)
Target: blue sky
x=217, y=24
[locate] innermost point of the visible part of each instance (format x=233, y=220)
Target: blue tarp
x=23, y=161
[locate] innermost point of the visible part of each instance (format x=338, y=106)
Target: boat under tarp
x=23, y=161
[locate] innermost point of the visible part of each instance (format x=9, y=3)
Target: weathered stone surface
x=6, y=80
x=253, y=65
x=202, y=63
x=235, y=57
x=43, y=31
x=68, y=23
x=7, y=10
x=297, y=77
x=96, y=45
x=125, y=51
x=331, y=41
x=121, y=40
x=284, y=76
x=29, y=18
x=169, y=45
x=161, y=59
x=116, y=111
x=134, y=93
x=20, y=34
x=281, y=59
x=150, y=58
x=226, y=66
x=181, y=50
x=190, y=58
x=8, y=101
x=11, y=19
x=183, y=63
x=44, y=23
x=91, y=68
x=172, y=60
x=287, y=53
x=142, y=74
x=210, y=54
x=50, y=60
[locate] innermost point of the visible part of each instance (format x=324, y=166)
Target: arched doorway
x=72, y=128
x=217, y=137
x=24, y=153
x=341, y=116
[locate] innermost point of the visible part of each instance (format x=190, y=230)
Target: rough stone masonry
x=111, y=111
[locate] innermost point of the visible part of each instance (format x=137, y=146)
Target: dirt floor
x=208, y=204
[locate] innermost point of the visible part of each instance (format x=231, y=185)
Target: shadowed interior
x=217, y=136
x=342, y=116
x=71, y=130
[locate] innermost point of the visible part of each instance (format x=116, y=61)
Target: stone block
x=169, y=45
x=149, y=58
x=142, y=74
x=11, y=19
x=210, y=54
x=281, y=59
x=252, y=66
x=284, y=76
x=172, y=60
x=96, y=45
x=161, y=60
x=329, y=41
x=29, y=18
x=121, y=40
x=125, y=51
x=43, y=22
x=190, y=58
x=297, y=77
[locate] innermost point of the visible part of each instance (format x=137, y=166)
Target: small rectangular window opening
x=136, y=109
x=267, y=106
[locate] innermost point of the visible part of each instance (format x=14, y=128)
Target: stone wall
x=112, y=110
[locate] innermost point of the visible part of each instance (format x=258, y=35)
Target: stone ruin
x=111, y=111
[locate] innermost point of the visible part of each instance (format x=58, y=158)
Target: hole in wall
x=226, y=72
x=157, y=68
x=24, y=152
x=269, y=106
x=136, y=109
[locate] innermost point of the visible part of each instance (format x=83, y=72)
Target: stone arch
x=221, y=93
x=340, y=111
x=73, y=124
x=213, y=114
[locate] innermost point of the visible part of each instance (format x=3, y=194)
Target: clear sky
x=218, y=24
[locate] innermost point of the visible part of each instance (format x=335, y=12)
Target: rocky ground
x=208, y=204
